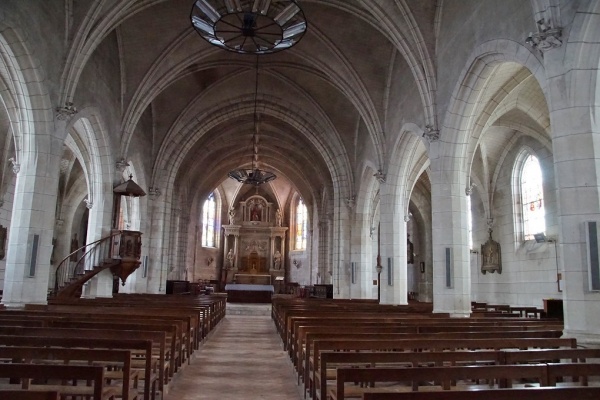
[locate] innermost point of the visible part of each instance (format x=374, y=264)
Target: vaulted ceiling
x=324, y=104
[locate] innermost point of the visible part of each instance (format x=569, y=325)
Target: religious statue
x=255, y=214
x=278, y=217
x=277, y=261
x=231, y=216
x=491, y=256
x=230, y=257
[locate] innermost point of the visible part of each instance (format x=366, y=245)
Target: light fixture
x=249, y=26
x=254, y=175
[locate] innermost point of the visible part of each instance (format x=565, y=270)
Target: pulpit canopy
x=129, y=188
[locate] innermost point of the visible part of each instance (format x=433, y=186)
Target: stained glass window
x=208, y=221
x=301, y=219
x=532, y=198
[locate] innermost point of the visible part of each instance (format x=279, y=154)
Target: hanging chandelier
x=249, y=26
x=254, y=175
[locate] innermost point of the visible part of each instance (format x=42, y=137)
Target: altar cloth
x=250, y=288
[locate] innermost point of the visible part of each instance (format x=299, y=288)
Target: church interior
x=404, y=152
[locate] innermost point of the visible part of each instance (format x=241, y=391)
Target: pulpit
x=128, y=248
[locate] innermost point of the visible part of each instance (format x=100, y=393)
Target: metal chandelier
x=249, y=26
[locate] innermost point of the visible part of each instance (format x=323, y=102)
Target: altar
x=252, y=279
x=244, y=293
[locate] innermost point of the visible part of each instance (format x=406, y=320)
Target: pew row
x=539, y=393
x=460, y=378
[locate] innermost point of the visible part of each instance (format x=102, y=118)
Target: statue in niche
x=277, y=261
x=278, y=217
x=255, y=213
x=230, y=256
x=231, y=216
x=491, y=257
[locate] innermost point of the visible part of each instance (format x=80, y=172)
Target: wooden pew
x=117, y=363
x=312, y=363
x=150, y=375
x=445, y=378
x=550, y=355
x=374, y=359
x=578, y=373
x=300, y=329
x=192, y=318
x=25, y=373
x=543, y=393
x=25, y=395
x=309, y=334
x=158, y=339
x=413, y=359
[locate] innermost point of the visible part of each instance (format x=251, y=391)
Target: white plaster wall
x=528, y=268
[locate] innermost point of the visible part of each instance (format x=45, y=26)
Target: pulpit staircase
x=88, y=261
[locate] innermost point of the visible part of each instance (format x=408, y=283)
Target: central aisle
x=242, y=359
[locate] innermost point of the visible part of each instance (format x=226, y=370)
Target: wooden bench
x=435, y=378
x=384, y=331
x=149, y=375
x=373, y=359
x=411, y=345
x=330, y=360
x=89, y=379
x=550, y=355
x=117, y=363
x=25, y=395
x=543, y=393
x=158, y=339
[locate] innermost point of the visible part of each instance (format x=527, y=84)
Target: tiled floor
x=242, y=359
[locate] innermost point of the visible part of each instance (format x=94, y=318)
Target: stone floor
x=242, y=359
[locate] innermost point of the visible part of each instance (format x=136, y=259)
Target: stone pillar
x=33, y=216
x=158, y=253
x=451, y=262
x=574, y=103
x=393, y=249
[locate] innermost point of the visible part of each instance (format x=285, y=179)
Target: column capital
x=546, y=38
x=66, y=112
x=121, y=164
x=380, y=176
x=431, y=134
x=16, y=167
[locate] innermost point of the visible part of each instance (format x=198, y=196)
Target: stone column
x=574, y=102
x=33, y=216
x=451, y=261
x=393, y=249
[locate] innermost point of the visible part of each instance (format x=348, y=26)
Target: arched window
x=532, y=198
x=301, y=220
x=208, y=221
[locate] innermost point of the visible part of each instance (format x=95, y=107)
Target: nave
x=242, y=359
